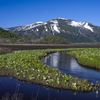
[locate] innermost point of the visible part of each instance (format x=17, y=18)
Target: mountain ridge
x=71, y=30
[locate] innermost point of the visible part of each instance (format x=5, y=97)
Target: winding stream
x=17, y=90
x=68, y=65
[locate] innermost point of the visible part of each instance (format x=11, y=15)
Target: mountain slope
x=7, y=34
x=7, y=37
x=69, y=29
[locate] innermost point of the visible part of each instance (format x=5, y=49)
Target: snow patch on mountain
x=54, y=21
x=81, y=24
x=54, y=26
x=28, y=27
x=37, y=29
x=39, y=22
x=44, y=23
x=88, y=27
x=77, y=24
x=45, y=28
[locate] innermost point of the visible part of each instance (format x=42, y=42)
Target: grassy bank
x=89, y=57
x=27, y=66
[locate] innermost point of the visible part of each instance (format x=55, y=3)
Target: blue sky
x=22, y=12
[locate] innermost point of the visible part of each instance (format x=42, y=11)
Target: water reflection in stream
x=17, y=90
x=68, y=65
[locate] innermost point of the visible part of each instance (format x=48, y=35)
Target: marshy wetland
x=27, y=66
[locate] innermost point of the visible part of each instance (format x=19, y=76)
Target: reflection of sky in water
x=55, y=60
x=74, y=64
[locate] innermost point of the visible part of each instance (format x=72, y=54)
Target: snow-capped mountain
x=66, y=28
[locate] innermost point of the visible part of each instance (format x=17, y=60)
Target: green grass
x=27, y=66
x=87, y=56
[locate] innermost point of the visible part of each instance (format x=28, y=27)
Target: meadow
x=27, y=66
x=89, y=57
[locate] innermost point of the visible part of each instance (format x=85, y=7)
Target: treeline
x=53, y=40
x=7, y=34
